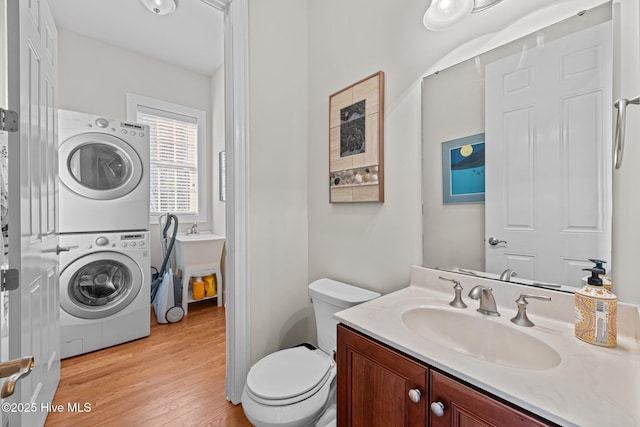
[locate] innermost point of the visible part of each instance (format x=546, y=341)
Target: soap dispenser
x=596, y=312
x=606, y=280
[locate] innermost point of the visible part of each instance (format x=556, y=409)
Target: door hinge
x=9, y=120
x=10, y=279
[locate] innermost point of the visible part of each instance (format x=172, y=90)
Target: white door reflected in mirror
x=548, y=158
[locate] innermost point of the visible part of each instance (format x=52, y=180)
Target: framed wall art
x=356, y=133
x=463, y=170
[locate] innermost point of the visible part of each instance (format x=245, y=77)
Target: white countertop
x=592, y=386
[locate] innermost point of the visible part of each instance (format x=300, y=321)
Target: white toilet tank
x=329, y=297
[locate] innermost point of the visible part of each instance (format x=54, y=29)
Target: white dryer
x=104, y=290
x=104, y=174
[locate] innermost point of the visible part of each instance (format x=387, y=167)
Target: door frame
x=237, y=265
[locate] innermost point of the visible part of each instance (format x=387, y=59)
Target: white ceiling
x=191, y=37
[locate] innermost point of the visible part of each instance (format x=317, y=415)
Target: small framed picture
x=463, y=170
x=356, y=121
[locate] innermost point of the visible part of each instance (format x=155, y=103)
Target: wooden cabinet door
x=465, y=407
x=374, y=383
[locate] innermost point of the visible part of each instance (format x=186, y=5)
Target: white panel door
x=548, y=158
x=34, y=310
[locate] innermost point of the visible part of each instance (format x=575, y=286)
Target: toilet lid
x=288, y=373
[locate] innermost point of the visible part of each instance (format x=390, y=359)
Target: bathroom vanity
x=409, y=358
x=381, y=386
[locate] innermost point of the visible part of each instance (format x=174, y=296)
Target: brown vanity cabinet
x=378, y=386
x=464, y=406
x=374, y=383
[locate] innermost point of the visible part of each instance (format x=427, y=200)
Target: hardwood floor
x=174, y=377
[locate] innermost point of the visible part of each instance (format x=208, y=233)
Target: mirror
x=545, y=159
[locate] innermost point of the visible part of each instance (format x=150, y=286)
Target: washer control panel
x=133, y=240
x=124, y=128
x=132, y=129
x=126, y=240
x=71, y=123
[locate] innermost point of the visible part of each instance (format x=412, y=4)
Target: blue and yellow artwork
x=463, y=166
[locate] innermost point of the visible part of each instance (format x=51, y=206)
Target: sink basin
x=202, y=237
x=482, y=338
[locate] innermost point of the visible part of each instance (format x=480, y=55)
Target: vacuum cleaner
x=166, y=289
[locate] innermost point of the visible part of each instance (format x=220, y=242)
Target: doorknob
x=493, y=241
x=14, y=370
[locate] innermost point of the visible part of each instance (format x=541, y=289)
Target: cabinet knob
x=414, y=395
x=437, y=408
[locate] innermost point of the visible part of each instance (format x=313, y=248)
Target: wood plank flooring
x=174, y=377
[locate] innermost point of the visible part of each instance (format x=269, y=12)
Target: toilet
x=297, y=386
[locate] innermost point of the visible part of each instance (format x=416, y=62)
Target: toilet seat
x=289, y=376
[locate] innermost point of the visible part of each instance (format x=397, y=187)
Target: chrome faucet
x=487, y=301
x=194, y=229
x=507, y=275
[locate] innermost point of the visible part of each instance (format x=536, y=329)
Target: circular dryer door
x=99, y=166
x=99, y=285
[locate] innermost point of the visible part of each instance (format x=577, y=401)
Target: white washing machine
x=104, y=290
x=104, y=174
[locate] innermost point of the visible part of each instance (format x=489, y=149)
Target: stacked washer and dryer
x=104, y=232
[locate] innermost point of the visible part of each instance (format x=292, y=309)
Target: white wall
x=373, y=245
x=217, y=144
x=278, y=174
x=94, y=77
x=367, y=244
x=452, y=107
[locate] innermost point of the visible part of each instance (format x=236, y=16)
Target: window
x=176, y=137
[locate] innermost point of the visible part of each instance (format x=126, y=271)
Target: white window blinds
x=174, y=160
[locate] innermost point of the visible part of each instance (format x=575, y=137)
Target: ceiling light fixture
x=444, y=14
x=160, y=7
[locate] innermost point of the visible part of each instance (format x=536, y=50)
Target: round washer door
x=99, y=166
x=99, y=285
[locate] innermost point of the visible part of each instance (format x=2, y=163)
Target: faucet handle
x=522, y=299
x=521, y=318
x=457, y=288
